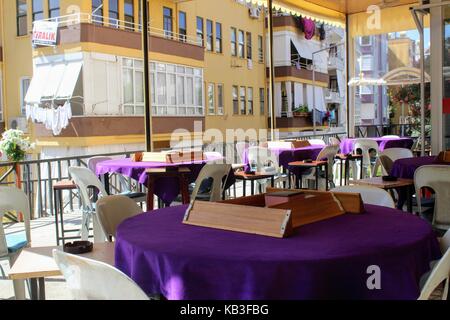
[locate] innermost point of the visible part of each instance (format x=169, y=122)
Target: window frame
x=242, y=101
x=23, y=93
x=35, y=13
x=200, y=32
x=19, y=17
x=248, y=44
x=209, y=35
x=220, y=97
x=260, y=49
x=116, y=19
x=182, y=32
x=365, y=44
x=262, y=101
x=235, y=99
x=129, y=24
x=99, y=12
x=250, y=102
x=168, y=22
x=369, y=57
x=51, y=9
x=211, y=98
x=233, y=41
x=219, y=44
x=241, y=44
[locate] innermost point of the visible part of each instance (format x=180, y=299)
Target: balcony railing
x=332, y=95
x=78, y=18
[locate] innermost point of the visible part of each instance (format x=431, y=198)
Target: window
x=249, y=46
x=241, y=44
x=38, y=10
x=176, y=90
x=249, y=100
x=242, y=100
x=233, y=42
x=133, y=87
x=129, y=14
x=53, y=8
x=21, y=14
x=211, y=106
x=24, y=85
x=365, y=90
x=365, y=41
x=220, y=99
x=114, y=13
x=366, y=63
x=182, y=28
x=209, y=35
x=200, y=38
x=97, y=11
x=262, y=104
x=260, y=49
x=218, y=37
x=235, y=100
x=167, y=22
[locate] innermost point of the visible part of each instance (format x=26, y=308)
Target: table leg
x=290, y=178
x=361, y=171
x=244, y=184
x=272, y=182
x=409, y=199
x=37, y=286
x=326, y=176
x=56, y=206
x=317, y=178
x=347, y=172
x=184, y=189
x=61, y=215
x=252, y=186
x=106, y=183
x=341, y=171
x=150, y=193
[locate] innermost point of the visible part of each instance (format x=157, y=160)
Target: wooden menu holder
x=300, y=144
x=288, y=144
x=168, y=157
x=444, y=157
x=247, y=219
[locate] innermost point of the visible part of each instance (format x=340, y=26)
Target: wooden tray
x=241, y=218
x=169, y=157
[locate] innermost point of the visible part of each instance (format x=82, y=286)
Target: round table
x=347, y=145
x=323, y=260
x=167, y=189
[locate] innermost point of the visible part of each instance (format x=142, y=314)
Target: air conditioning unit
x=19, y=123
x=255, y=12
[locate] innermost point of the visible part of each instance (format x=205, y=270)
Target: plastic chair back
x=391, y=136
x=85, y=178
x=436, y=177
x=93, y=280
x=112, y=210
x=217, y=172
x=13, y=199
x=439, y=274
x=333, y=141
x=329, y=153
x=265, y=161
x=319, y=142
x=389, y=156
x=445, y=241
x=366, y=145
x=370, y=195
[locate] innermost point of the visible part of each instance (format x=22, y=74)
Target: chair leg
x=19, y=285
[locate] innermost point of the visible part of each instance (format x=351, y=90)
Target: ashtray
x=308, y=161
x=78, y=247
x=389, y=178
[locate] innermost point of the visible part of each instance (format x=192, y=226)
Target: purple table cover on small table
x=347, y=144
x=405, y=168
x=323, y=260
x=167, y=189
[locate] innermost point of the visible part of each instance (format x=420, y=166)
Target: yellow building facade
x=191, y=46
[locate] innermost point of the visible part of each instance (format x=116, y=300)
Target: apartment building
x=85, y=92
x=296, y=84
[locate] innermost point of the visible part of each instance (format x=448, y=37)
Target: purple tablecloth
x=167, y=189
x=405, y=168
x=323, y=260
x=347, y=144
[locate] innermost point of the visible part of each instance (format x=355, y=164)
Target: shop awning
x=55, y=81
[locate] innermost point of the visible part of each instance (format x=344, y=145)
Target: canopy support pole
x=148, y=105
x=271, y=73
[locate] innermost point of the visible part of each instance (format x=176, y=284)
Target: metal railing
x=80, y=17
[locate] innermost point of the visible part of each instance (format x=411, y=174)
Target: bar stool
x=180, y=173
x=58, y=188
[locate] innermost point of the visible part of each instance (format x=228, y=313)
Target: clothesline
x=55, y=119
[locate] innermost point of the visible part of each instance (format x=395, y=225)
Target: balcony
x=335, y=63
x=81, y=27
x=333, y=96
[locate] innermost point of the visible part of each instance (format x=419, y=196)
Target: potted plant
x=301, y=111
x=14, y=145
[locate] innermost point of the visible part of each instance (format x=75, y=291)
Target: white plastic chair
x=366, y=145
x=217, y=172
x=370, y=195
x=266, y=162
x=439, y=274
x=444, y=242
x=138, y=197
x=85, y=179
x=392, y=155
x=14, y=199
x=436, y=177
x=319, y=142
x=93, y=280
x=328, y=153
x=333, y=141
x=392, y=136
x=112, y=210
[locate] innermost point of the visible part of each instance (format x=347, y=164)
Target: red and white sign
x=45, y=33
